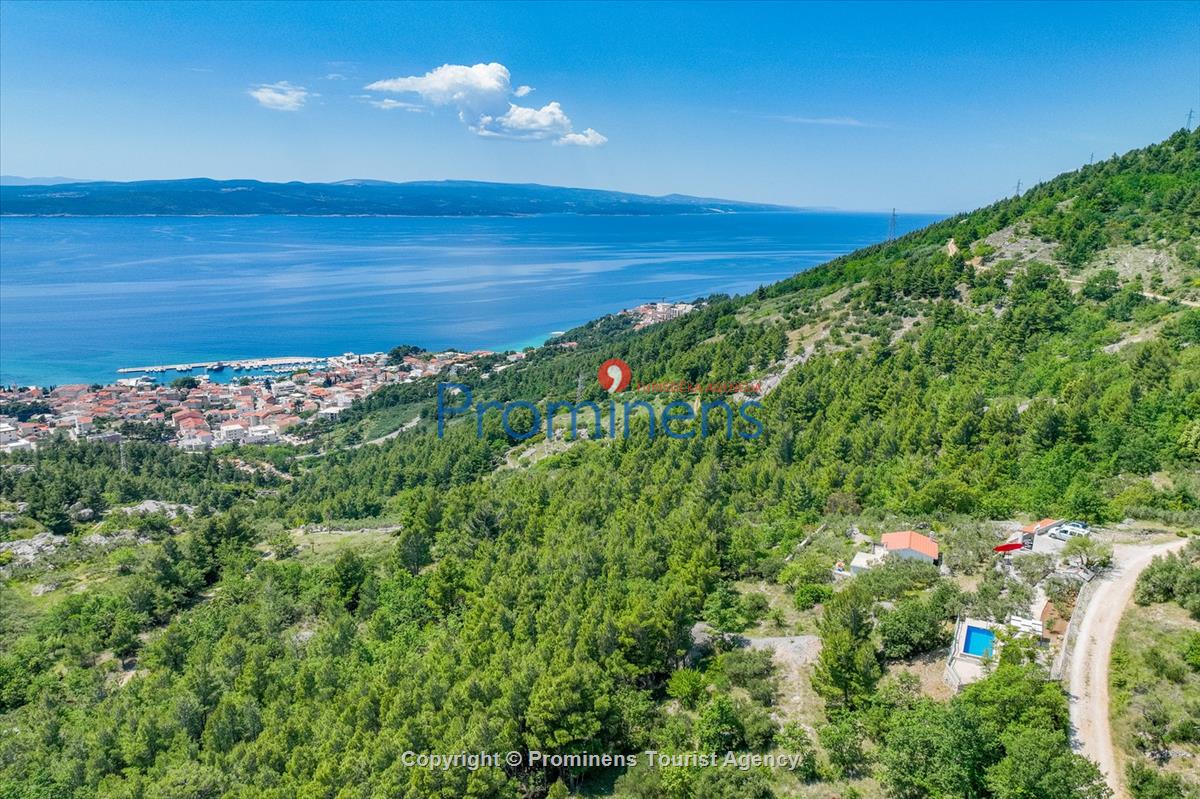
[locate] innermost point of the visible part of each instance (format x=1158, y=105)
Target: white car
x=1069, y=530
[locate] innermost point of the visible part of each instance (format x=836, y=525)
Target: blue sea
x=82, y=297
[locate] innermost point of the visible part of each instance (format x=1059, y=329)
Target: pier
x=248, y=363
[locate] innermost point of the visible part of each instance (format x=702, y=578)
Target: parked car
x=1069, y=530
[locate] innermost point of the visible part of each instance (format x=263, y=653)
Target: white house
x=19, y=445
x=261, y=434
x=198, y=442
x=229, y=433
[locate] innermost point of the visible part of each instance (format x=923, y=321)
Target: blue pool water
x=979, y=642
x=80, y=297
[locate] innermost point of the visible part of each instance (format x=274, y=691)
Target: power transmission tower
x=1188, y=126
x=892, y=226
x=579, y=389
x=1018, y=187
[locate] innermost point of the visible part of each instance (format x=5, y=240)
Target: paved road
x=1093, y=650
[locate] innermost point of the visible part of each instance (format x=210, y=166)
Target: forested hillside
x=1039, y=356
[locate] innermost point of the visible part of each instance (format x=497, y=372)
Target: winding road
x=1088, y=687
x=404, y=428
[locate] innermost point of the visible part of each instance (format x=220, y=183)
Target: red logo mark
x=614, y=375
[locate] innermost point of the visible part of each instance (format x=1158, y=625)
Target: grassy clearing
x=788, y=785
x=782, y=617
x=324, y=544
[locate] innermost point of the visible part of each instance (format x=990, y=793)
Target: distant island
x=205, y=197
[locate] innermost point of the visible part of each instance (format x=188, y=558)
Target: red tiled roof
x=911, y=539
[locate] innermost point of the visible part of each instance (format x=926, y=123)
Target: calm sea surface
x=81, y=297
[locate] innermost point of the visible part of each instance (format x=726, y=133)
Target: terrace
x=976, y=645
x=973, y=648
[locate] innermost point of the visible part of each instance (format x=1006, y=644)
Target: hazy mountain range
x=17, y=180
x=205, y=197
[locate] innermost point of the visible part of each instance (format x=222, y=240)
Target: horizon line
x=65, y=181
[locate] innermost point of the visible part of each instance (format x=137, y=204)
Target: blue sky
x=926, y=107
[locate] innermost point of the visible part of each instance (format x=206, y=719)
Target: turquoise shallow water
x=81, y=297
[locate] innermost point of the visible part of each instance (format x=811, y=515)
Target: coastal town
x=196, y=412
x=652, y=313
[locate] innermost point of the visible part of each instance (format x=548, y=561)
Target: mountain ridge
x=353, y=197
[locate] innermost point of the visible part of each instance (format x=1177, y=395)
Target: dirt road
x=1150, y=295
x=404, y=428
x=1093, y=647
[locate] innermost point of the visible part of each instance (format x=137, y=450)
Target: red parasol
x=1011, y=546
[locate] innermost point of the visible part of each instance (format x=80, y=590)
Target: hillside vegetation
x=1038, y=356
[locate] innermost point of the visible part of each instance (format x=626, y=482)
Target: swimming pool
x=979, y=642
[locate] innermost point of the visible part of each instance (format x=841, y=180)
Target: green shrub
x=793, y=738
x=758, y=728
x=1101, y=285
x=842, y=741
x=1191, y=652
x=914, y=627
x=1147, y=782
x=724, y=611
x=688, y=686
x=811, y=567
x=896, y=577
x=752, y=669
x=754, y=607
x=810, y=595
x=719, y=728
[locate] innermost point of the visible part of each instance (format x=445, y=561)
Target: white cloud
x=334, y=76
x=388, y=104
x=519, y=122
x=281, y=96
x=849, y=122
x=589, y=138
x=453, y=84
x=482, y=95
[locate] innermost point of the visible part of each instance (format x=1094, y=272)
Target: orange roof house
x=1043, y=526
x=911, y=544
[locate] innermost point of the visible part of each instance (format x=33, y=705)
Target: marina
x=219, y=365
